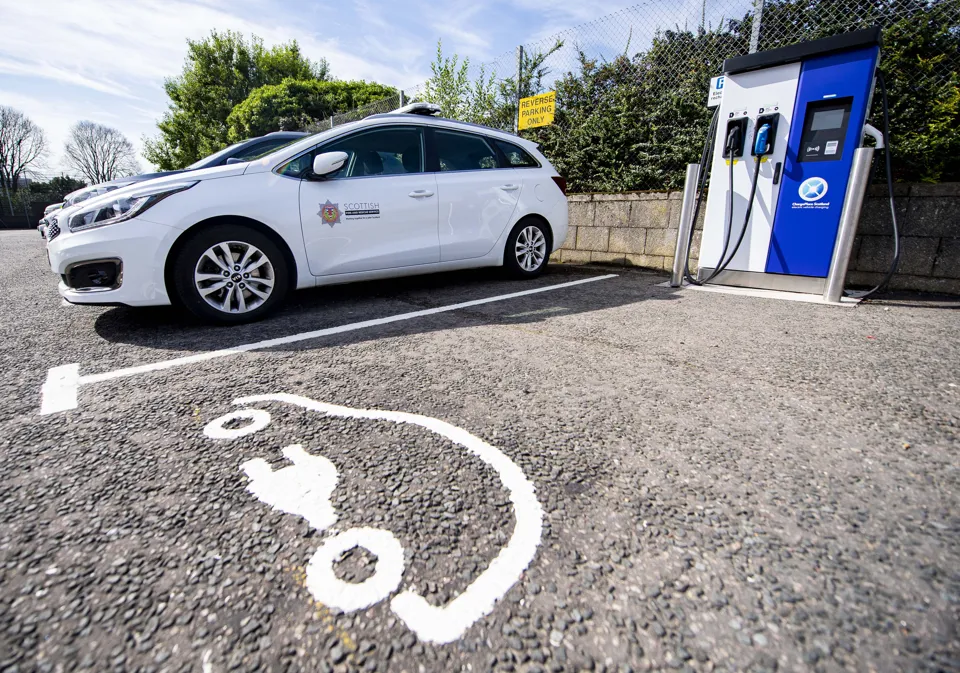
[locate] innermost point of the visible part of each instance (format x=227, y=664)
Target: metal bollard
x=849, y=219
x=686, y=224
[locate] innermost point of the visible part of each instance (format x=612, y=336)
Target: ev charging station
x=788, y=172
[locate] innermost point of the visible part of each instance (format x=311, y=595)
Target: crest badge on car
x=330, y=213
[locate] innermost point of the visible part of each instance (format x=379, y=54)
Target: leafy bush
x=450, y=87
x=635, y=122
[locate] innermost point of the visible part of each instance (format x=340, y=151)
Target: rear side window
x=516, y=157
x=464, y=152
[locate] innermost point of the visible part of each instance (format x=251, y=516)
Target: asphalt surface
x=727, y=483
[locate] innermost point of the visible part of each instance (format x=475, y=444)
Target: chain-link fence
x=21, y=209
x=632, y=86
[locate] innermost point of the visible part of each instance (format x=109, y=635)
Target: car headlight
x=125, y=207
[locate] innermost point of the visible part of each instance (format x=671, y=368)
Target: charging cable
x=760, y=145
x=759, y=148
x=893, y=210
x=733, y=139
x=705, y=156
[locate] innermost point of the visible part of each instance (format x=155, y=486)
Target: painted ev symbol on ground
x=304, y=488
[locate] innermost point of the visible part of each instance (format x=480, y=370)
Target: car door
x=377, y=212
x=476, y=196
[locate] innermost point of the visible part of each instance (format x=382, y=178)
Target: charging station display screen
x=824, y=128
x=824, y=120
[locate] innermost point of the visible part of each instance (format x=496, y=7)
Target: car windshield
x=308, y=142
x=210, y=160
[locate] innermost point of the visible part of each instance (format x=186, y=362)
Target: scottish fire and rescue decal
x=330, y=213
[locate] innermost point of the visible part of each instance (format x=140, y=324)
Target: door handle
x=510, y=188
x=420, y=193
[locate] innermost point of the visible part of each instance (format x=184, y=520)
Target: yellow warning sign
x=537, y=110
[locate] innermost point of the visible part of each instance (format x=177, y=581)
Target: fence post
x=516, y=119
x=331, y=121
x=6, y=193
x=401, y=98
x=755, y=32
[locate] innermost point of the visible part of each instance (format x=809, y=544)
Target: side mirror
x=233, y=160
x=329, y=162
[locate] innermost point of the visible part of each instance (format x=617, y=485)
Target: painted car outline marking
x=447, y=623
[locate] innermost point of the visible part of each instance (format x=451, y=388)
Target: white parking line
x=59, y=392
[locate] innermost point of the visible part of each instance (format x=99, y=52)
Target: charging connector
x=766, y=137
x=736, y=138
x=760, y=143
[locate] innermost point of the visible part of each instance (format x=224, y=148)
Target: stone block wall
x=640, y=229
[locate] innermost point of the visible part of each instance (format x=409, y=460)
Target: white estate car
x=391, y=195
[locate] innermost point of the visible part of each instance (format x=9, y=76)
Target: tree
x=220, y=72
x=634, y=123
x=449, y=87
x=295, y=104
x=22, y=147
x=56, y=188
x=100, y=153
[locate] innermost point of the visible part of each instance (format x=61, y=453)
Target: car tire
x=527, y=252
x=247, y=288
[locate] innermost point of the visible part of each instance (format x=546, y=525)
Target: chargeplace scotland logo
x=813, y=189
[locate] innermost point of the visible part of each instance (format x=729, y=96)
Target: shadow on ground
x=168, y=328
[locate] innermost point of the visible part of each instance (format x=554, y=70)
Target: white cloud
x=106, y=60
x=106, y=44
x=122, y=51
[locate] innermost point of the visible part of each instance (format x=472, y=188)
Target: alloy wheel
x=531, y=248
x=234, y=277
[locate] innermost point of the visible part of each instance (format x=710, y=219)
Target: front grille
x=52, y=232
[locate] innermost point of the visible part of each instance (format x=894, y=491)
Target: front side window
x=386, y=151
x=516, y=157
x=464, y=152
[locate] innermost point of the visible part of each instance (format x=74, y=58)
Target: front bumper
x=140, y=247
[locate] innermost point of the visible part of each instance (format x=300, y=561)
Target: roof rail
x=427, y=109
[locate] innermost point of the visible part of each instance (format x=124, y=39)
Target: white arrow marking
x=64, y=393
x=59, y=392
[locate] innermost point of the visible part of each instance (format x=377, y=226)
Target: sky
x=62, y=61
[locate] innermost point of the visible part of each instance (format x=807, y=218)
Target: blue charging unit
x=789, y=125
x=832, y=103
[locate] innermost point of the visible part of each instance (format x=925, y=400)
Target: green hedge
x=635, y=122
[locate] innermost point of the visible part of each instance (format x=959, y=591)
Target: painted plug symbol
x=303, y=488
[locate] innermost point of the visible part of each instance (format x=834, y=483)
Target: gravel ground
x=728, y=483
